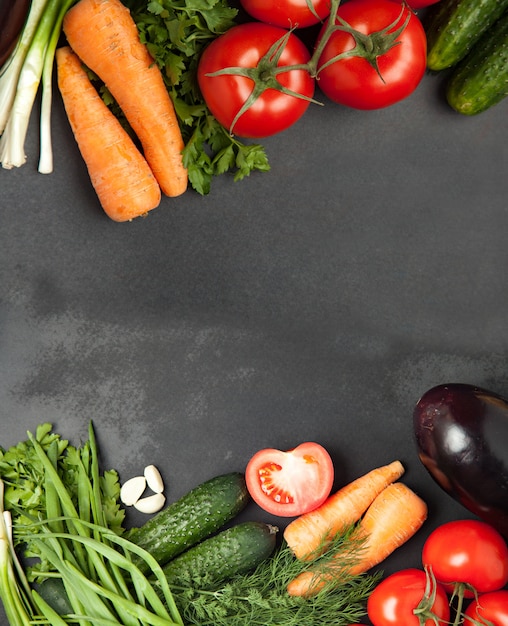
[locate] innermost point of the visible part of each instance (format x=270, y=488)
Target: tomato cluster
x=463, y=559
x=259, y=77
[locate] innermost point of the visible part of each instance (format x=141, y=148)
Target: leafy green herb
x=176, y=32
x=23, y=475
x=261, y=598
x=66, y=529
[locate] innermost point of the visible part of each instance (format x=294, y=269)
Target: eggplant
x=461, y=435
x=13, y=14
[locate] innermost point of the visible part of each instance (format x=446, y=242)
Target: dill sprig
x=261, y=599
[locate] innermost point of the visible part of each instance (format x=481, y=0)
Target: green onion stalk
x=30, y=65
x=14, y=591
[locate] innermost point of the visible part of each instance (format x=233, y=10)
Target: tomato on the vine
x=288, y=13
x=490, y=608
x=290, y=483
x=469, y=552
x=248, y=58
x=405, y=597
x=389, y=57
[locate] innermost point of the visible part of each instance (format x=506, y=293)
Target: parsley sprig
x=23, y=475
x=176, y=32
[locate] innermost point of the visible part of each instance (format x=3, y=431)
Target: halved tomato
x=288, y=484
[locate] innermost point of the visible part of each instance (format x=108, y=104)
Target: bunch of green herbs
x=23, y=474
x=176, y=32
x=56, y=506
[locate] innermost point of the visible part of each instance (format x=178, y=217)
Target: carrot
x=123, y=180
x=394, y=517
x=105, y=37
x=311, y=532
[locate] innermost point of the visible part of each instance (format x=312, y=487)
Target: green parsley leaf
x=24, y=478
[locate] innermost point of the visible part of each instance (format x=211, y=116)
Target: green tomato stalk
x=30, y=63
x=369, y=47
x=264, y=74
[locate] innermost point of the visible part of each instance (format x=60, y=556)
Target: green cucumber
x=481, y=79
x=232, y=552
x=52, y=590
x=454, y=26
x=192, y=518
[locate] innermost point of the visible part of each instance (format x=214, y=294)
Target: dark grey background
x=314, y=302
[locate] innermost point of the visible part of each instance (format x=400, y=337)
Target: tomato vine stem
x=368, y=46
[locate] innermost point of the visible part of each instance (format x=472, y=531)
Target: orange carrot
x=105, y=37
x=394, y=517
x=123, y=180
x=311, y=532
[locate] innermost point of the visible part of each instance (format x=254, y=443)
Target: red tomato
x=490, y=608
x=290, y=483
x=394, y=600
x=244, y=46
x=467, y=551
x=288, y=13
x=352, y=80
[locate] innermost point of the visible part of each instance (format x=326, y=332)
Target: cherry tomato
x=467, y=551
x=288, y=13
x=394, y=600
x=244, y=46
x=490, y=608
x=352, y=80
x=290, y=483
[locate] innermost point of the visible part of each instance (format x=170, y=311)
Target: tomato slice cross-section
x=290, y=483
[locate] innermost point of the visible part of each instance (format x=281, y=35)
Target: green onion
x=12, y=592
x=30, y=63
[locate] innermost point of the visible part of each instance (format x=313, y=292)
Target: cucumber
x=481, y=79
x=454, y=26
x=192, y=518
x=52, y=590
x=232, y=552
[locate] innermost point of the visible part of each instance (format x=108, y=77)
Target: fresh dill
x=261, y=599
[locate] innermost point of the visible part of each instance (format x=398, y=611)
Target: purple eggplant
x=12, y=17
x=462, y=439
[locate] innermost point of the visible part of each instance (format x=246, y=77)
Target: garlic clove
x=150, y=504
x=154, y=479
x=132, y=490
